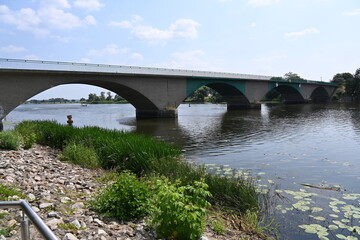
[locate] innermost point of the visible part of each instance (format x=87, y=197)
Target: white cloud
x=302, y=33
x=89, y=5
x=90, y=20
x=352, y=13
x=61, y=39
x=12, y=49
x=137, y=56
x=111, y=49
x=258, y=3
x=182, y=28
x=52, y=14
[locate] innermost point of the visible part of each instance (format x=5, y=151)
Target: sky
x=314, y=38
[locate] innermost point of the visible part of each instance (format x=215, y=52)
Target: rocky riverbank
x=58, y=192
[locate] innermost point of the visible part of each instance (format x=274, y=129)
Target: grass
x=142, y=155
x=9, y=191
x=10, y=140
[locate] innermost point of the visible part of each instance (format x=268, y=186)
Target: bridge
x=154, y=92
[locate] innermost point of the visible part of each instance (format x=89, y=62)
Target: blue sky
x=313, y=38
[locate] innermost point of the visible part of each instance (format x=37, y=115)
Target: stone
x=78, y=205
x=70, y=236
x=99, y=222
x=76, y=223
x=101, y=232
x=53, y=214
x=12, y=223
x=45, y=205
x=53, y=224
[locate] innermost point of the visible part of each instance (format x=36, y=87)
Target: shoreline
x=58, y=192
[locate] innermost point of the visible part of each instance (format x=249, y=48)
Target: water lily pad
x=316, y=209
x=333, y=215
x=319, y=218
x=333, y=227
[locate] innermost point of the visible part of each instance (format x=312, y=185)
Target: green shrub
x=29, y=140
x=126, y=199
x=81, y=155
x=10, y=140
x=179, y=212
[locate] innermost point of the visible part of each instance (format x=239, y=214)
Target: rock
x=78, y=205
x=31, y=197
x=65, y=200
x=53, y=224
x=101, y=232
x=53, y=214
x=45, y=205
x=204, y=238
x=76, y=223
x=70, y=236
x=12, y=223
x=99, y=222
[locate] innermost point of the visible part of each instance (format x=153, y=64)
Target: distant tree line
x=108, y=98
x=205, y=94
x=349, y=86
x=52, y=100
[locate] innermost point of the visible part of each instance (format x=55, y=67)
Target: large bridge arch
x=148, y=99
x=232, y=92
x=320, y=95
x=289, y=92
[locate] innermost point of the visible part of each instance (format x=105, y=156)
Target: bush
x=126, y=199
x=81, y=155
x=10, y=140
x=29, y=140
x=179, y=212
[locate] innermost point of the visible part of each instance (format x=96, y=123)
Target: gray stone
x=76, y=223
x=70, y=236
x=45, y=205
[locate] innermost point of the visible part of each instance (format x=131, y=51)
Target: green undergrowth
x=9, y=191
x=142, y=155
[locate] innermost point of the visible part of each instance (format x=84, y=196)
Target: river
x=308, y=155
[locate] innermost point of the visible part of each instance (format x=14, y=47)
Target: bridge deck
x=21, y=64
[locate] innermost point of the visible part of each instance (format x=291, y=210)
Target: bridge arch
x=232, y=92
x=290, y=92
x=15, y=83
x=320, y=95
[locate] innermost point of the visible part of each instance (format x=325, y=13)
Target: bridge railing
x=22, y=64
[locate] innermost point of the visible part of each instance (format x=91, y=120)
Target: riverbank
x=58, y=192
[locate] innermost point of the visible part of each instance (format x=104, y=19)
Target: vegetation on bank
x=349, y=86
x=179, y=190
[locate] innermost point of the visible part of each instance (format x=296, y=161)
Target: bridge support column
x=156, y=113
x=243, y=106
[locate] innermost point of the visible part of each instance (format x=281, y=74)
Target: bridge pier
x=156, y=113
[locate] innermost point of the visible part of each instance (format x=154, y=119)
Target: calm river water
x=281, y=147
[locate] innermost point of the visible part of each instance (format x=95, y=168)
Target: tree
x=291, y=76
x=109, y=97
x=341, y=78
x=102, y=96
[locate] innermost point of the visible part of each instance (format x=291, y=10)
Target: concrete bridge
x=154, y=92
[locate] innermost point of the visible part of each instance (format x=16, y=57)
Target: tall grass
x=141, y=155
x=10, y=140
